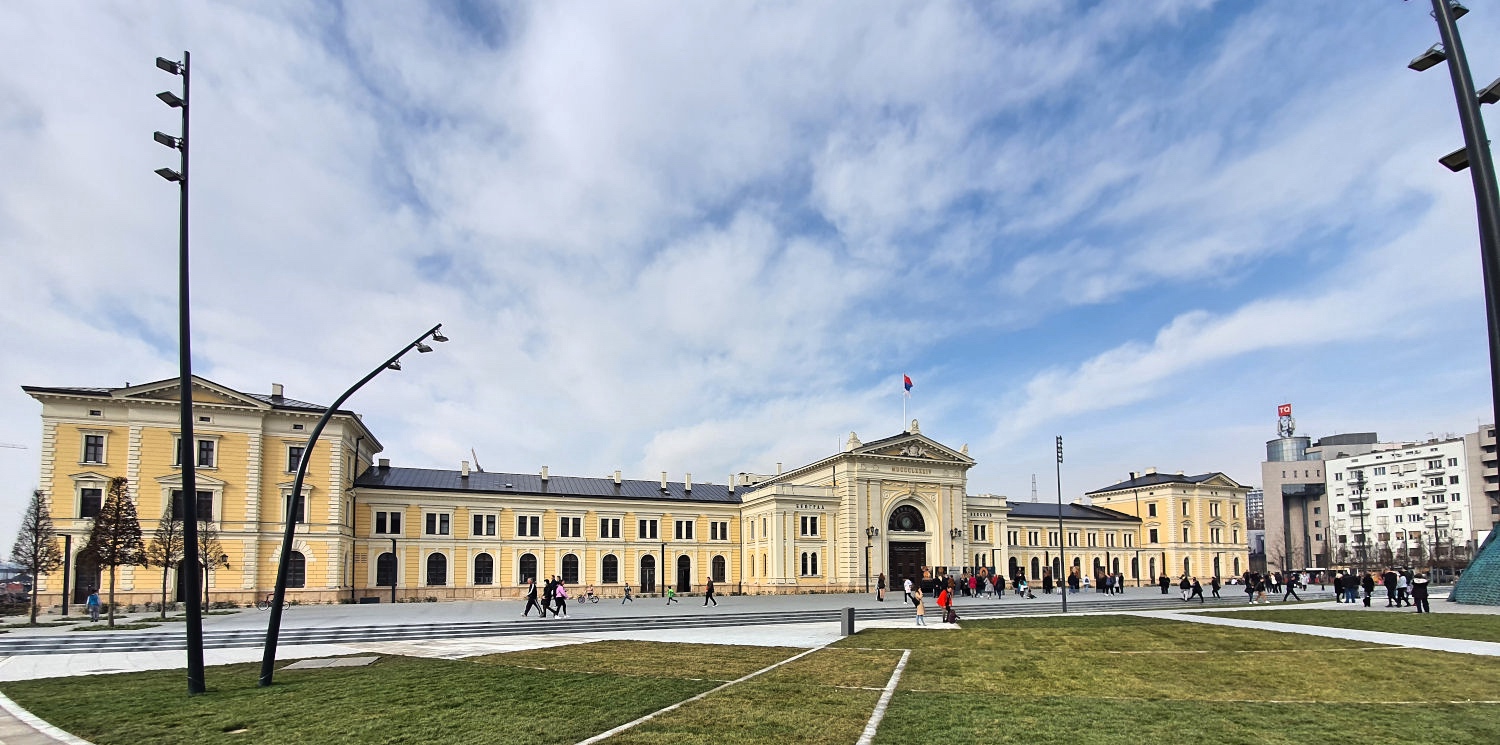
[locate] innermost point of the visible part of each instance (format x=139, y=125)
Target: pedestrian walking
x=1403, y=589
x=531, y=600
x=671, y=595
x=906, y=589
x=1419, y=593
x=1250, y=587
x=1166, y=584
x=708, y=593
x=1185, y=586
x=1368, y=585
x=549, y=592
x=628, y=598
x=1291, y=589
x=916, y=599
x=1197, y=591
x=560, y=596
x=1214, y=584
x=93, y=605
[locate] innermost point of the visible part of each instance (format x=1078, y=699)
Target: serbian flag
x=906, y=381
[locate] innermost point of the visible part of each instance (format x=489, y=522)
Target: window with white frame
x=90, y=501
x=683, y=530
x=93, y=448
x=981, y=532
x=299, y=513
x=528, y=526
x=718, y=530
x=809, y=526
x=646, y=530
x=1012, y=537
x=437, y=523
x=809, y=563
x=484, y=525
x=570, y=527
x=294, y=457
x=609, y=527
x=206, y=454
x=204, y=505
x=387, y=522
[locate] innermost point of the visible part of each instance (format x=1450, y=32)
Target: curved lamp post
x=294, y=504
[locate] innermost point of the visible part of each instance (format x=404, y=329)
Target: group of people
x=554, y=598
x=946, y=587
x=1403, y=587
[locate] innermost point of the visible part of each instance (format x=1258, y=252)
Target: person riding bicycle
x=589, y=596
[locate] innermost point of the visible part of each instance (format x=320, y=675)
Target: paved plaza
x=464, y=629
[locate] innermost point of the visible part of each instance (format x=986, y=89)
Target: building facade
x=897, y=506
x=1194, y=524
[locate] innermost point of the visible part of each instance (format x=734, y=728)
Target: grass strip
x=1484, y=628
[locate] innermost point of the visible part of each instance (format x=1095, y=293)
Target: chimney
x=544, y=473
x=385, y=464
x=463, y=468
x=778, y=468
x=687, y=484
x=663, y=480
x=1132, y=475
x=731, y=483
x=276, y=390
x=617, y=478
x=1151, y=471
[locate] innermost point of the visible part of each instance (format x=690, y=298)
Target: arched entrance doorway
x=905, y=555
x=86, y=577
x=684, y=573
x=648, y=574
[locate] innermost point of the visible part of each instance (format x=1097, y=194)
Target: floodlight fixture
x=1458, y=9
x=394, y=365
x=1429, y=58
x=1490, y=93
x=438, y=335
x=169, y=174
x=169, y=98
x=166, y=139
x=423, y=348
x=1457, y=160
x=169, y=66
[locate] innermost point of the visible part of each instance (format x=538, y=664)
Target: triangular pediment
x=204, y=392
x=1219, y=479
x=89, y=476
x=914, y=446
x=202, y=479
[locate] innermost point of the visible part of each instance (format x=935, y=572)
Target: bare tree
x=115, y=540
x=36, y=545
x=210, y=554
x=165, y=550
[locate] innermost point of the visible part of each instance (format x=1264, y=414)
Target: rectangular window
x=1234, y=510
x=1129, y=540
x=1338, y=508
x=439, y=523
x=1379, y=471
x=1236, y=535
x=609, y=527
x=569, y=527
x=683, y=530
x=1093, y=539
x=1072, y=538
x=647, y=531
x=718, y=530
x=809, y=525
x=1453, y=479
x=89, y=502
x=388, y=523
x=93, y=448
x=1052, y=538
x=1033, y=538
x=1214, y=535
x=1381, y=504
x=1151, y=536
x=1013, y=537
x=981, y=532
x=206, y=454
x=1213, y=509
x=1151, y=509
x=484, y=525
x=1185, y=535
x=293, y=458
x=528, y=526
x=1109, y=540
x=1435, y=463
x=1452, y=462
x=204, y=505
x=1186, y=509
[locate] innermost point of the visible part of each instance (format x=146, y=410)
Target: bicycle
x=590, y=597
x=269, y=601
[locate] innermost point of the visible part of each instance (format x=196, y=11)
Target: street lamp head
x=169, y=174
x=1457, y=160
x=423, y=348
x=1429, y=58
x=1490, y=93
x=166, y=139
x=169, y=66
x=394, y=365
x=1459, y=11
x=437, y=335
x=169, y=98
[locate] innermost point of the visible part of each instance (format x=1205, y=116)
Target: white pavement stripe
x=885, y=700
x=1412, y=641
x=37, y=724
x=628, y=725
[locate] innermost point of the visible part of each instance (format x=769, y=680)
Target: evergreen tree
x=166, y=548
x=36, y=545
x=115, y=540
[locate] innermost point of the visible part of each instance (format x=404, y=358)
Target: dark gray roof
x=282, y=402
x=276, y=402
x=1155, y=479
x=531, y=485
x=1069, y=512
x=74, y=391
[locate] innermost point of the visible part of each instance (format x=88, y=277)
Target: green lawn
x=1087, y=679
x=1447, y=625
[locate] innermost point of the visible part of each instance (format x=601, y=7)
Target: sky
x=710, y=237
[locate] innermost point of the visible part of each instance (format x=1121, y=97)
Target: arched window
x=527, y=568
x=1116, y=568
x=1135, y=568
x=684, y=573
x=810, y=564
x=648, y=573
x=1036, y=568
x=1152, y=576
x=907, y=519
x=610, y=570
x=296, y=570
x=719, y=569
x=804, y=563
x=570, y=569
x=385, y=570
x=1187, y=565
x=484, y=569
x=437, y=570
x=1236, y=566
x=1013, y=567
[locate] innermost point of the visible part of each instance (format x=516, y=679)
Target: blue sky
x=710, y=237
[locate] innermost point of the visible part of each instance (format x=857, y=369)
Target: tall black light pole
x=187, y=448
x=1475, y=156
x=1357, y=483
x=1062, y=539
x=294, y=504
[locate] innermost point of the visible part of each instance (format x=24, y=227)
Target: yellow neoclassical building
x=1195, y=525
x=372, y=531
